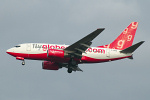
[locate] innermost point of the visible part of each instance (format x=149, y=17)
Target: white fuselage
x=38, y=51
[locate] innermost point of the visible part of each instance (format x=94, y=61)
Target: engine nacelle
x=47, y=65
x=55, y=53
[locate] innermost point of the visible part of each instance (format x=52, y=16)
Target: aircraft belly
x=97, y=57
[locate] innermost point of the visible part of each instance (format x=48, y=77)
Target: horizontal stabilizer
x=132, y=48
x=131, y=57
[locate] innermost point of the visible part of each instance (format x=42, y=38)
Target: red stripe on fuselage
x=43, y=56
x=86, y=59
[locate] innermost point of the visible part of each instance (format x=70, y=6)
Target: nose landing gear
x=23, y=62
x=21, y=58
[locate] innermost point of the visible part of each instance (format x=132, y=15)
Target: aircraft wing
x=80, y=46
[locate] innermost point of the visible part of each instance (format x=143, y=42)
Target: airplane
x=56, y=56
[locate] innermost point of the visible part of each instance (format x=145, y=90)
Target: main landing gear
x=69, y=70
x=72, y=64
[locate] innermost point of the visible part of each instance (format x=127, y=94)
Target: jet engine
x=47, y=65
x=56, y=53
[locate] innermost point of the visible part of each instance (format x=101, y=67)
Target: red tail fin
x=125, y=39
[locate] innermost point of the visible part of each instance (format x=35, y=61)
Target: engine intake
x=47, y=65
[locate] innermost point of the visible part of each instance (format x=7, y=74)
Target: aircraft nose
x=9, y=51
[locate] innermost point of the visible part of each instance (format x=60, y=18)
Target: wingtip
x=142, y=42
x=100, y=28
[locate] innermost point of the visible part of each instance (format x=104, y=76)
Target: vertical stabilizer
x=125, y=39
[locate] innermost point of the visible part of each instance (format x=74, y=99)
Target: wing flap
x=80, y=50
x=77, y=54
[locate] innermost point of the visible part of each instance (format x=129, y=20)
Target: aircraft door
x=28, y=47
x=108, y=52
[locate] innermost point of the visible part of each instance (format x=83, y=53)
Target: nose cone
x=10, y=51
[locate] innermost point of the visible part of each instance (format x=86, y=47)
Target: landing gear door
x=28, y=47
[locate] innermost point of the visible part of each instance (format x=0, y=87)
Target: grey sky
x=64, y=22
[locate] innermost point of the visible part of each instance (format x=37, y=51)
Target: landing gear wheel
x=23, y=63
x=69, y=70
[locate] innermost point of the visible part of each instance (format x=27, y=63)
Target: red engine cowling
x=55, y=53
x=47, y=65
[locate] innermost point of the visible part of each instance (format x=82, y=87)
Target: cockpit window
x=17, y=46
